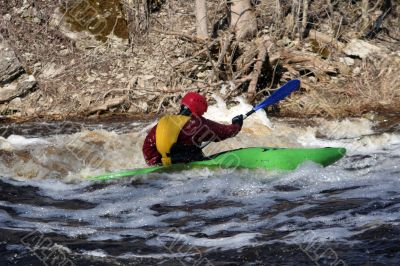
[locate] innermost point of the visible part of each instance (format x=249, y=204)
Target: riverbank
x=59, y=71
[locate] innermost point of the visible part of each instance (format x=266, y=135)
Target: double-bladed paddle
x=274, y=98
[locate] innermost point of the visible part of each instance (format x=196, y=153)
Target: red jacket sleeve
x=150, y=153
x=222, y=131
x=208, y=130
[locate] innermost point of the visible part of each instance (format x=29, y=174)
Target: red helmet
x=196, y=103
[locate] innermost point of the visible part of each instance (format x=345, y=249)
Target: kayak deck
x=250, y=158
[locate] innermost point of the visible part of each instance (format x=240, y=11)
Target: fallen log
x=325, y=39
x=308, y=62
x=110, y=103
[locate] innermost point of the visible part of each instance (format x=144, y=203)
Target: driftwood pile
x=255, y=67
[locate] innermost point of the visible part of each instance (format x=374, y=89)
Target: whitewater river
x=345, y=214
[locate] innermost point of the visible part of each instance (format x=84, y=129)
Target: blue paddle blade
x=280, y=94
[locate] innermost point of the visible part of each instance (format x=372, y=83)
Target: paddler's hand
x=238, y=120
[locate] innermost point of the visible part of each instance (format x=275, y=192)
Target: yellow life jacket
x=167, y=132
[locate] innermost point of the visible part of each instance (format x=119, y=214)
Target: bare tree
x=278, y=12
x=305, y=18
x=364, y=16
x=295, y=14
x=243, y=19
x=201, y=18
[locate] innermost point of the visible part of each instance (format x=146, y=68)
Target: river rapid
x=345, y=214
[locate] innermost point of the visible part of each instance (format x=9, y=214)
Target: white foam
x=346, y=128
x=96, y=253
x=317, y=235
x=130, y=255
x=16, y=247
x=223, y=243
x=357, y=144
x=221, y=113
x=20, y=142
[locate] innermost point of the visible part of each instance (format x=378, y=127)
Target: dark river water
x=51, y=214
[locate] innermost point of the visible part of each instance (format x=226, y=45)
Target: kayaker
x=177, y=138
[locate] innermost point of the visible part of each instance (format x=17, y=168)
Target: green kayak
x=250, y=158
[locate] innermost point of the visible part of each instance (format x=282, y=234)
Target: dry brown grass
x=376, y=89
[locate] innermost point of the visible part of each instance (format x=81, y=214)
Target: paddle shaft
x=248, y=114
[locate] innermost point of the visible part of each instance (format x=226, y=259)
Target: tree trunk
x=243, y=19
x=364, y=16
x=137, y=16
x=278, y=13
x=201, y=18
x=304, y=21
x=296, y=7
